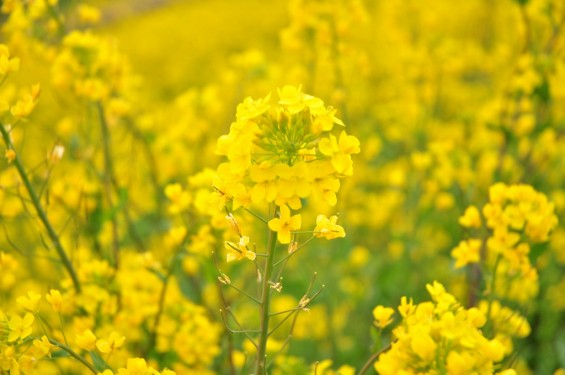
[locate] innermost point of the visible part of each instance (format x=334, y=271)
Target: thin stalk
x=244, y=293
x=257, y=216
x=261, y=362
x=162, y=297
x=372, y=359
x=74, y=355
x=294, y=252
x=228, y=335
x=489, y=325
x=41, y=213
x=109, y=182
x=152, y=164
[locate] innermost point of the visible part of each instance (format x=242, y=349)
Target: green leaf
x=543, y=92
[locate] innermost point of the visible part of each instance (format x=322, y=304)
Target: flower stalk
x=264, y=307
x=41, y=212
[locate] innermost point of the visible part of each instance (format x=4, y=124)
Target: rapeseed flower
x=285, y=224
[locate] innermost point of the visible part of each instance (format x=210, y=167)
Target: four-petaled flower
x=284, y=224
x=327, y=228
x=20, y=328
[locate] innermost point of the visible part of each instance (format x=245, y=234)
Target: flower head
x=327, y=228
x=284, y=224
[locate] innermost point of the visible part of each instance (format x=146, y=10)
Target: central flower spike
x=283, y=152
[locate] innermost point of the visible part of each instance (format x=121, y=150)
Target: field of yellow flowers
x=282, y=187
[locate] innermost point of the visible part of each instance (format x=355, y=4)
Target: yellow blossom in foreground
x=340, y=151
x=43, y=347
x=283, y=152
x=138, y=366
x=20, y=328
x=284, y=224
x=439, y=336
x=86, y=340
x=327, y=228
x=115, y=341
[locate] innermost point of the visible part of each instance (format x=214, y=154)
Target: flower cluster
x=439, y=337
x=283, y=153
x=91, y=67
x=515, y=215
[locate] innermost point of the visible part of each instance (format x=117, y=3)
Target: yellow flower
x=422, y=343
x=383, y=316
x=88, y=14
x=292, y=99
x=43, y=347
x=459, y=363
x=135, y=366
x=466, y=252
x=30, y=302
x=23, y=107
x=86, y=340
x=327, y=228
x=55, y=299
x=115, y=341
x=284, y=224
x=497, y=193
x=471, y=218
x=406, y=307
x=7, y=64
x=340, y=151
x=10, y=155
x=240, y=251
x=20, y=328
x=250, y=108
x=180, y=199
x=325, y=120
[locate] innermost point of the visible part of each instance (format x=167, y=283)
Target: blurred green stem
x=40, y=212
x=73, y=354
x=109, y=181
x=261, y=367
x=372, y=359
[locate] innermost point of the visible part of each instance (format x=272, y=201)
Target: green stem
x=489, y=324
x=109, y=182
x=261, y=362
x=372, y=359
x=41, y=213
x=73, y=354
